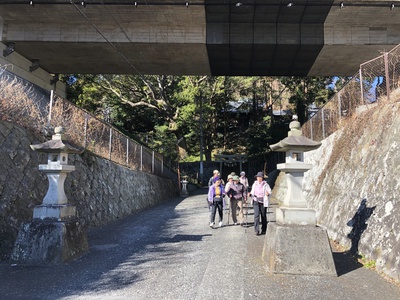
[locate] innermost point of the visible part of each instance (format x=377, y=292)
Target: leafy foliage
x=306, y=91
x=182, y=117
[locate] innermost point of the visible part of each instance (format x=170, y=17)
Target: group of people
x=238, y=191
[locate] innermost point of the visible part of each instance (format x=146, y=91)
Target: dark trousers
x=216, y=205
x=260, y=210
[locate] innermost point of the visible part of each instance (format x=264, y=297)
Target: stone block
x=296, y=216
x=50, y=243
x=55, y=212
x=271, y=213
x=297, y=250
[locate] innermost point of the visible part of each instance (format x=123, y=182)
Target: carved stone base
x=62, y=212
x=296, y=216
x=43, y=242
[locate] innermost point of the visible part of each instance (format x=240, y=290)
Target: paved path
x=170, y=252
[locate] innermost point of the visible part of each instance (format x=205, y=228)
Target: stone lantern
x=55, y=204
x=55, y=235
x=295, y=244
x=184, y=182
x=294, y=209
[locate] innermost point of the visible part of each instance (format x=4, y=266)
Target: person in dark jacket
x=237, y=194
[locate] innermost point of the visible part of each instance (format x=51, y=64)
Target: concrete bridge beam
x=204, y=38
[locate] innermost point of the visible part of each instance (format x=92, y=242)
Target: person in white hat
x=243, y=180
x=229, y=181
x=215, y=174
x=260, y=192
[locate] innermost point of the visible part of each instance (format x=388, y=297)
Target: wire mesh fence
x=38, y=110
x=375, y=82
x=24, y=103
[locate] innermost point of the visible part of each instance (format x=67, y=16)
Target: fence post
x=339, y=105
x=152, y=162
x=127, y=152
x=323, y=123
x=361, y=86
x=141, y=158
x=385, y=57
x=110, y=145
x=311, y=129
x=85, y=131
x=50, y=108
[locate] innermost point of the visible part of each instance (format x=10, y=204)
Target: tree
x=307, y=90
x=221, y=114
x=205, y=98
x=138, y=104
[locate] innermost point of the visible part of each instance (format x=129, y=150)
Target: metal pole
x=201, y=140
x=385, y=56
x=85, y=130
x=141, y=158
x=110, y=145
x=51, y=107
x=178, y=170
x=127, y=151
x=361, y=87
x=152, y=162
x=323, y=123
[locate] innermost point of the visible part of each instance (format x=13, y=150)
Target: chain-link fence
x=375, y=82
x=36, y=109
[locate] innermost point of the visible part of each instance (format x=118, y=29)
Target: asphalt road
x=170, y=252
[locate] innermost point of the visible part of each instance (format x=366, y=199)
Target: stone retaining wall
x=102, y=191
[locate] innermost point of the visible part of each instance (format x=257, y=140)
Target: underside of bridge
x=200, y=37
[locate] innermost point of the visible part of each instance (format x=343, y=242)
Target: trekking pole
x=229, y=209
x=247, y=209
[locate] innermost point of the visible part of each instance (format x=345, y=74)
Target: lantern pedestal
x=297, y=250
x=43, y=242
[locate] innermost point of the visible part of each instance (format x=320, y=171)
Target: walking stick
x=229, y=209
x=247, y=210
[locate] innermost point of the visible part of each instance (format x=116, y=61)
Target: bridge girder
x=202, y=37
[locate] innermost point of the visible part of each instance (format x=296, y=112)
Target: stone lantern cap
x=300, y=143
x=295, y=140
x=57, y=144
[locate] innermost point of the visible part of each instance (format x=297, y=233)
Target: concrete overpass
x=198, y=37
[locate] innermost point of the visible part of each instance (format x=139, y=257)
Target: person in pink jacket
x=260, y=191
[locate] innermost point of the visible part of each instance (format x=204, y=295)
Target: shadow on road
x=345, y=263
